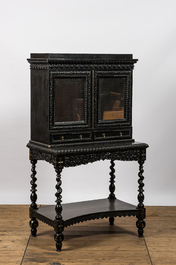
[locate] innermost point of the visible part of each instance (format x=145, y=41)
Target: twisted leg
x=112, y=181
x=58, y=222
x=112, y=187
x=33, y=222
x=140, y=222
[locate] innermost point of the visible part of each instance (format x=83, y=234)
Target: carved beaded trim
x=97, y=65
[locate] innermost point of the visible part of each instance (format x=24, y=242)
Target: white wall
x=147, y=29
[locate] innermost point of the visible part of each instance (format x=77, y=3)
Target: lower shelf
x=73, y=213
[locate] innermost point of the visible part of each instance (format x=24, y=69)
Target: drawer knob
x=80, y=136
x=103, y=135
x=121, y=134
x=62, y=137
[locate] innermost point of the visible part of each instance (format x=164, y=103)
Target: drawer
x=70, y=137
x=113, y=134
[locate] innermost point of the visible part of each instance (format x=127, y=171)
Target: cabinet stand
x=63, y=215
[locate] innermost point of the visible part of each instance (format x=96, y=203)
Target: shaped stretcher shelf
x=73, y=213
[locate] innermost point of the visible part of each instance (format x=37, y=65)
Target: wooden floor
x=92, y=242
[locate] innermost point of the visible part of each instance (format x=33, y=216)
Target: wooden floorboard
x=160, y=235
x=92, y=242
x=14, y=233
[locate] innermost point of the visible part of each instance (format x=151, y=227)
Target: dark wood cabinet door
x=70, y=98
x=112, y=98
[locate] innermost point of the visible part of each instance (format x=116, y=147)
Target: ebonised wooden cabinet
x=81, y=112
x=81, y=97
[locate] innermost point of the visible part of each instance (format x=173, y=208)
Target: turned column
x=58, y=222
x=33, y=222
x=141, y=216
x=112, y=187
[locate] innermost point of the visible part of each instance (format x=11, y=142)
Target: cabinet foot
x=58, y=237
x=140, y=225
x=111, y=220
x=33, y=225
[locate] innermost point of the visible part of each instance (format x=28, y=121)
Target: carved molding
x=85, y=65
x=81, y=155
x=38, y=155
x=82, y=159
x=128, y=155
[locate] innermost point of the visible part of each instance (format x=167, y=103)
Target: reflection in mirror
x=111, y=98
x=69, y=99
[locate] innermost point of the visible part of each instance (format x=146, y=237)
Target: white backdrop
x=147, y=29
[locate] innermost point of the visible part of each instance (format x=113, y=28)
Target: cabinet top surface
x=79, y=56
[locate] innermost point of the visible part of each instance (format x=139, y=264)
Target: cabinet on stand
x=81, y=112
